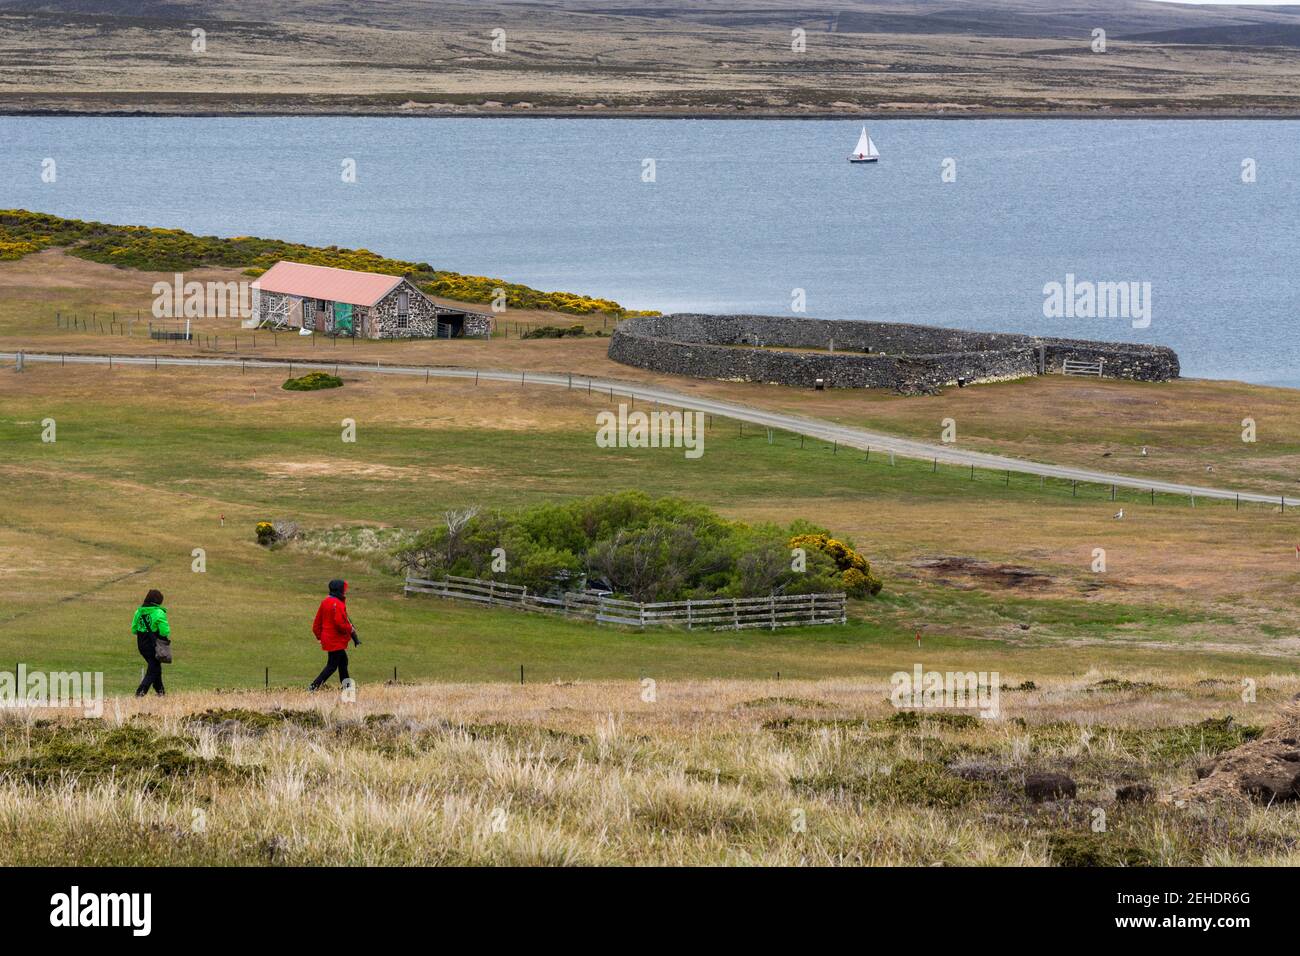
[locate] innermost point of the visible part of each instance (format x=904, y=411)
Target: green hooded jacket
x=151, y=618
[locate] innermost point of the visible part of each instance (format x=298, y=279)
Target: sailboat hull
x=864, y=159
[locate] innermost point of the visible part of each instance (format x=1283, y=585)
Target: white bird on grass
x=1144, y=451
x=1120, y=515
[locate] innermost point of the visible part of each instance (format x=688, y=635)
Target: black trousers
x=147, y=646
x=338, y=661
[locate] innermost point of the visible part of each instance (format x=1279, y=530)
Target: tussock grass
x=591, y=774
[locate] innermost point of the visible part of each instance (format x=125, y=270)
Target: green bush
x=648, y=549
x=312, y=381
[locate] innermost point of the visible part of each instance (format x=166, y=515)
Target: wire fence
x=1014, y=478
x=141, y=325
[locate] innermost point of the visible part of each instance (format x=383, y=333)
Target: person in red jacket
x=334, y=629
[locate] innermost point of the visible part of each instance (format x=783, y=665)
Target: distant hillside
x=637, y=57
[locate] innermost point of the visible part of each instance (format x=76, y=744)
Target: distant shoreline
x=873, y=116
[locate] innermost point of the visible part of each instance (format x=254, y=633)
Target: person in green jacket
x=148, y=625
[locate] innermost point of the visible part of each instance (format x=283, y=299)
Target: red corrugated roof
x=326, y=282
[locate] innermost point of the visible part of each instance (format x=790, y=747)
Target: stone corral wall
x=907, y=358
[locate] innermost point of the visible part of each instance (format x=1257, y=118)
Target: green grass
x=138, y=478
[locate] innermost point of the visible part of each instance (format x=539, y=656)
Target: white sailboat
x=865, y=151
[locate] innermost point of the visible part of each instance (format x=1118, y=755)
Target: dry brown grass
x=717, y=772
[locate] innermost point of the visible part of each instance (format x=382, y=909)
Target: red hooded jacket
x=332, y=627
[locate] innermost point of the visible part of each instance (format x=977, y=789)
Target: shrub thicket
x=647, y=549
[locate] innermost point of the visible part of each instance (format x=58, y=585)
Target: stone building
x=367, y=304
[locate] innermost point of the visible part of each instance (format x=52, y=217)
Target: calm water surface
x=743, y=212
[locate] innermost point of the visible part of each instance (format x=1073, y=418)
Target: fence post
x=690, y=618
x=735, y=614
x=771, y=610
x=812, y=608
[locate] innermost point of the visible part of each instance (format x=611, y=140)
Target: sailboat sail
x=865, y=149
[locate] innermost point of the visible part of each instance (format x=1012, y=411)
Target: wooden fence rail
x=718, y=614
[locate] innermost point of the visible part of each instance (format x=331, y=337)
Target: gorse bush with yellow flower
x=11, y=250
x=174, y=250
x=853, y=568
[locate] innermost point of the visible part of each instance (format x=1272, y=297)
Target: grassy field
x=692, y=772
x=614, y=57
x=1187, y=425
x=757, y=747
x=146, y=463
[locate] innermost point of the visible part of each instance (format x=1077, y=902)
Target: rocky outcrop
x=899, y=356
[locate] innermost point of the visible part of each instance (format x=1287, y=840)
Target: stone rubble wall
x=899, y=356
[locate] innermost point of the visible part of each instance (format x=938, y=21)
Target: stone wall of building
x=380, y=320
x=421, y=316
x=478, y=325
x=903, y=357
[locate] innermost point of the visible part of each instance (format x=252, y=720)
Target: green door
x=343, y=318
